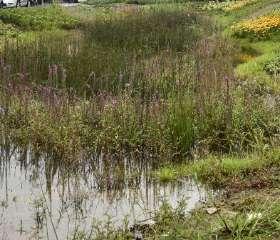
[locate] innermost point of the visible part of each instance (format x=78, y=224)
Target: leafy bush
x=39, y=18
x=273, y=66
x=8, y=30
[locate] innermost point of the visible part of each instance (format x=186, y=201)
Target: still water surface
x=42, y=200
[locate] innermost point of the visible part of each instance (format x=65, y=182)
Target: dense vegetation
x=192, y=83
x=130, y=82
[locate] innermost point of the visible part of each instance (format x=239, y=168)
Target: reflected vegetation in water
x=41, y=199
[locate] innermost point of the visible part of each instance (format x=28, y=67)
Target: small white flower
x=253, y=216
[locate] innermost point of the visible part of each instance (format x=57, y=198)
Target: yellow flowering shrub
x=260, y=27
x=245, y=57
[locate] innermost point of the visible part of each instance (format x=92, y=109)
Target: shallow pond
x=40, y=201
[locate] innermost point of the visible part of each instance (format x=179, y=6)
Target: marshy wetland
x=121, y=118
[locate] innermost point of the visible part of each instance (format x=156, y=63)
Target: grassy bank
x=222, y=171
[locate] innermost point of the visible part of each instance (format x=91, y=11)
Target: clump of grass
x=181, y=124
x=53, y=121
x=262, y=221
x=146, y=120
x=166, y=174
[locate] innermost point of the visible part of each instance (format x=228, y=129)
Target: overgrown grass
x=133, y=82
x=131, y=42
x=54, y=120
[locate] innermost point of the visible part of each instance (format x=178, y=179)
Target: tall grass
x=153, y=80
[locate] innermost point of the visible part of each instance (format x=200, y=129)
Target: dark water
x=40, y=200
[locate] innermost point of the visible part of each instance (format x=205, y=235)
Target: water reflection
x=43, y=199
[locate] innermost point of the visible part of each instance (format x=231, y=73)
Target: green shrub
x=39, y=18
x=273, y=66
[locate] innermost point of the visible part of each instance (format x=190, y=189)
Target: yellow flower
x=261, y=26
